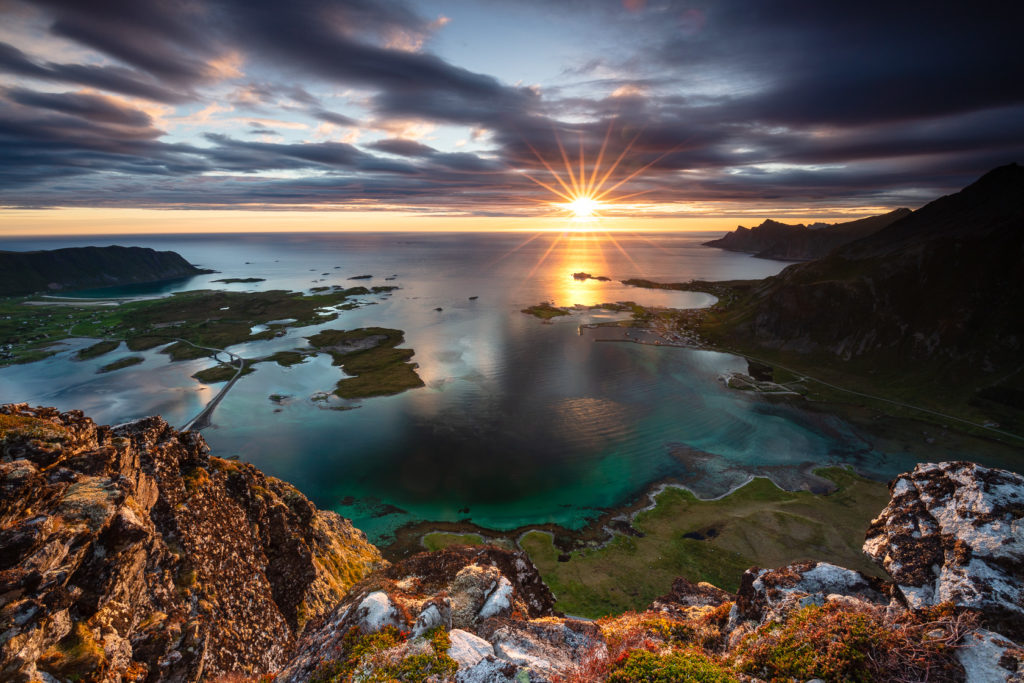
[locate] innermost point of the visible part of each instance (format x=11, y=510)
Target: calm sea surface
x=519, y=423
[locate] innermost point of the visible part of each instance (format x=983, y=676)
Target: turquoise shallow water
x=519, y=423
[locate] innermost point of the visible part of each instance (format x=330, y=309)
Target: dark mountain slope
x=938, y=294
x=25, y=272
x=787, y=242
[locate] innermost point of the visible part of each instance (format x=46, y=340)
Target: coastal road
x=202, y=420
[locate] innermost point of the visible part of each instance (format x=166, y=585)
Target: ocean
x=520, y=422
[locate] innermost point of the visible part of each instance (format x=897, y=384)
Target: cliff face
x=128, y=553
x=786, y=242
x=25, y=272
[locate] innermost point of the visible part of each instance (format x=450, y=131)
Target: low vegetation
x=211, y=318
x=121, y=363
x=545, y=311
x=96, y=350
x=370, y=355
x=714, y=541
x=30, y=427
x=220, y=373
x=441, y=539
x=837, y=642
x=378, y=657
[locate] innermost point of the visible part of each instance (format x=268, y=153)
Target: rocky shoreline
x=129, y=553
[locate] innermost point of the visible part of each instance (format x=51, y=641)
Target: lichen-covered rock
x=128, y=553
x=553, y=648
x=467, y=648
x=768, y=594
x=954, y=532
x=497, y=614
x=685, y=594
x=989, y=657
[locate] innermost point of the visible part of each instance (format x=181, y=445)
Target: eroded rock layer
x=129, y=553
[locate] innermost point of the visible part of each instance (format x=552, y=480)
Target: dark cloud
x=405, y=148
x=113, y=78
x=93, y=107
x=331, y=117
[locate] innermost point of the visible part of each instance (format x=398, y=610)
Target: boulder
x=987, y=656
x=468, y=649
x=685, y=595
x=768, y=594
x=954, y=532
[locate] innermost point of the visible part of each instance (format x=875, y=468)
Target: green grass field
x=713, y=541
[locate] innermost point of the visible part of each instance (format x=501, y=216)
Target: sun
x=583, y=206
x=586, y=193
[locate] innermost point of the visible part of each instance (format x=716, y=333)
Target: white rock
x=499, y=601
x=429, y=618
x=980, y=654
x=468, y=649
x=377, y=612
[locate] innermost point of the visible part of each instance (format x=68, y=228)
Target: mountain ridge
x=788, y=242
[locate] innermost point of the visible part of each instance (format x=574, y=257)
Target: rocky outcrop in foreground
x=951, y=537
x=129, y=553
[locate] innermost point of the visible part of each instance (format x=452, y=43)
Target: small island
x=581, y=276
x=240, y=280
x=369, y=354
x=545, y=311
x=125, y=362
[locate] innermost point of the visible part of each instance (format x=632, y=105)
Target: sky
x=177, y=115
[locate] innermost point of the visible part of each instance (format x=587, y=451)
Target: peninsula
x=59, y=270
x=785, y=242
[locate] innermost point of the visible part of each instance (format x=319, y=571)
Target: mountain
x=785, y=242
x=129, y=553
x=938, y=292
x=26, y=272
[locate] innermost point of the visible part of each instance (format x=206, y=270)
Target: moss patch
x=13, y=426
x=76, y=657
x=673, y=667
x=443, y=539
x=713, y=541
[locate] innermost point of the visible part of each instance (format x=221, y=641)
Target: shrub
x=641, y=666
x=365, y=653
x=857, y=644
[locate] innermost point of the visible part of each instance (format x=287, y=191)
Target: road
x=202, y=420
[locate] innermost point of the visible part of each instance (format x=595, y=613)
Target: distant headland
x=56, y=270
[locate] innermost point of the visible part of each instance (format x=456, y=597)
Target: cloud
x=89, y=106
x=112, y=78
x=715, y=101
